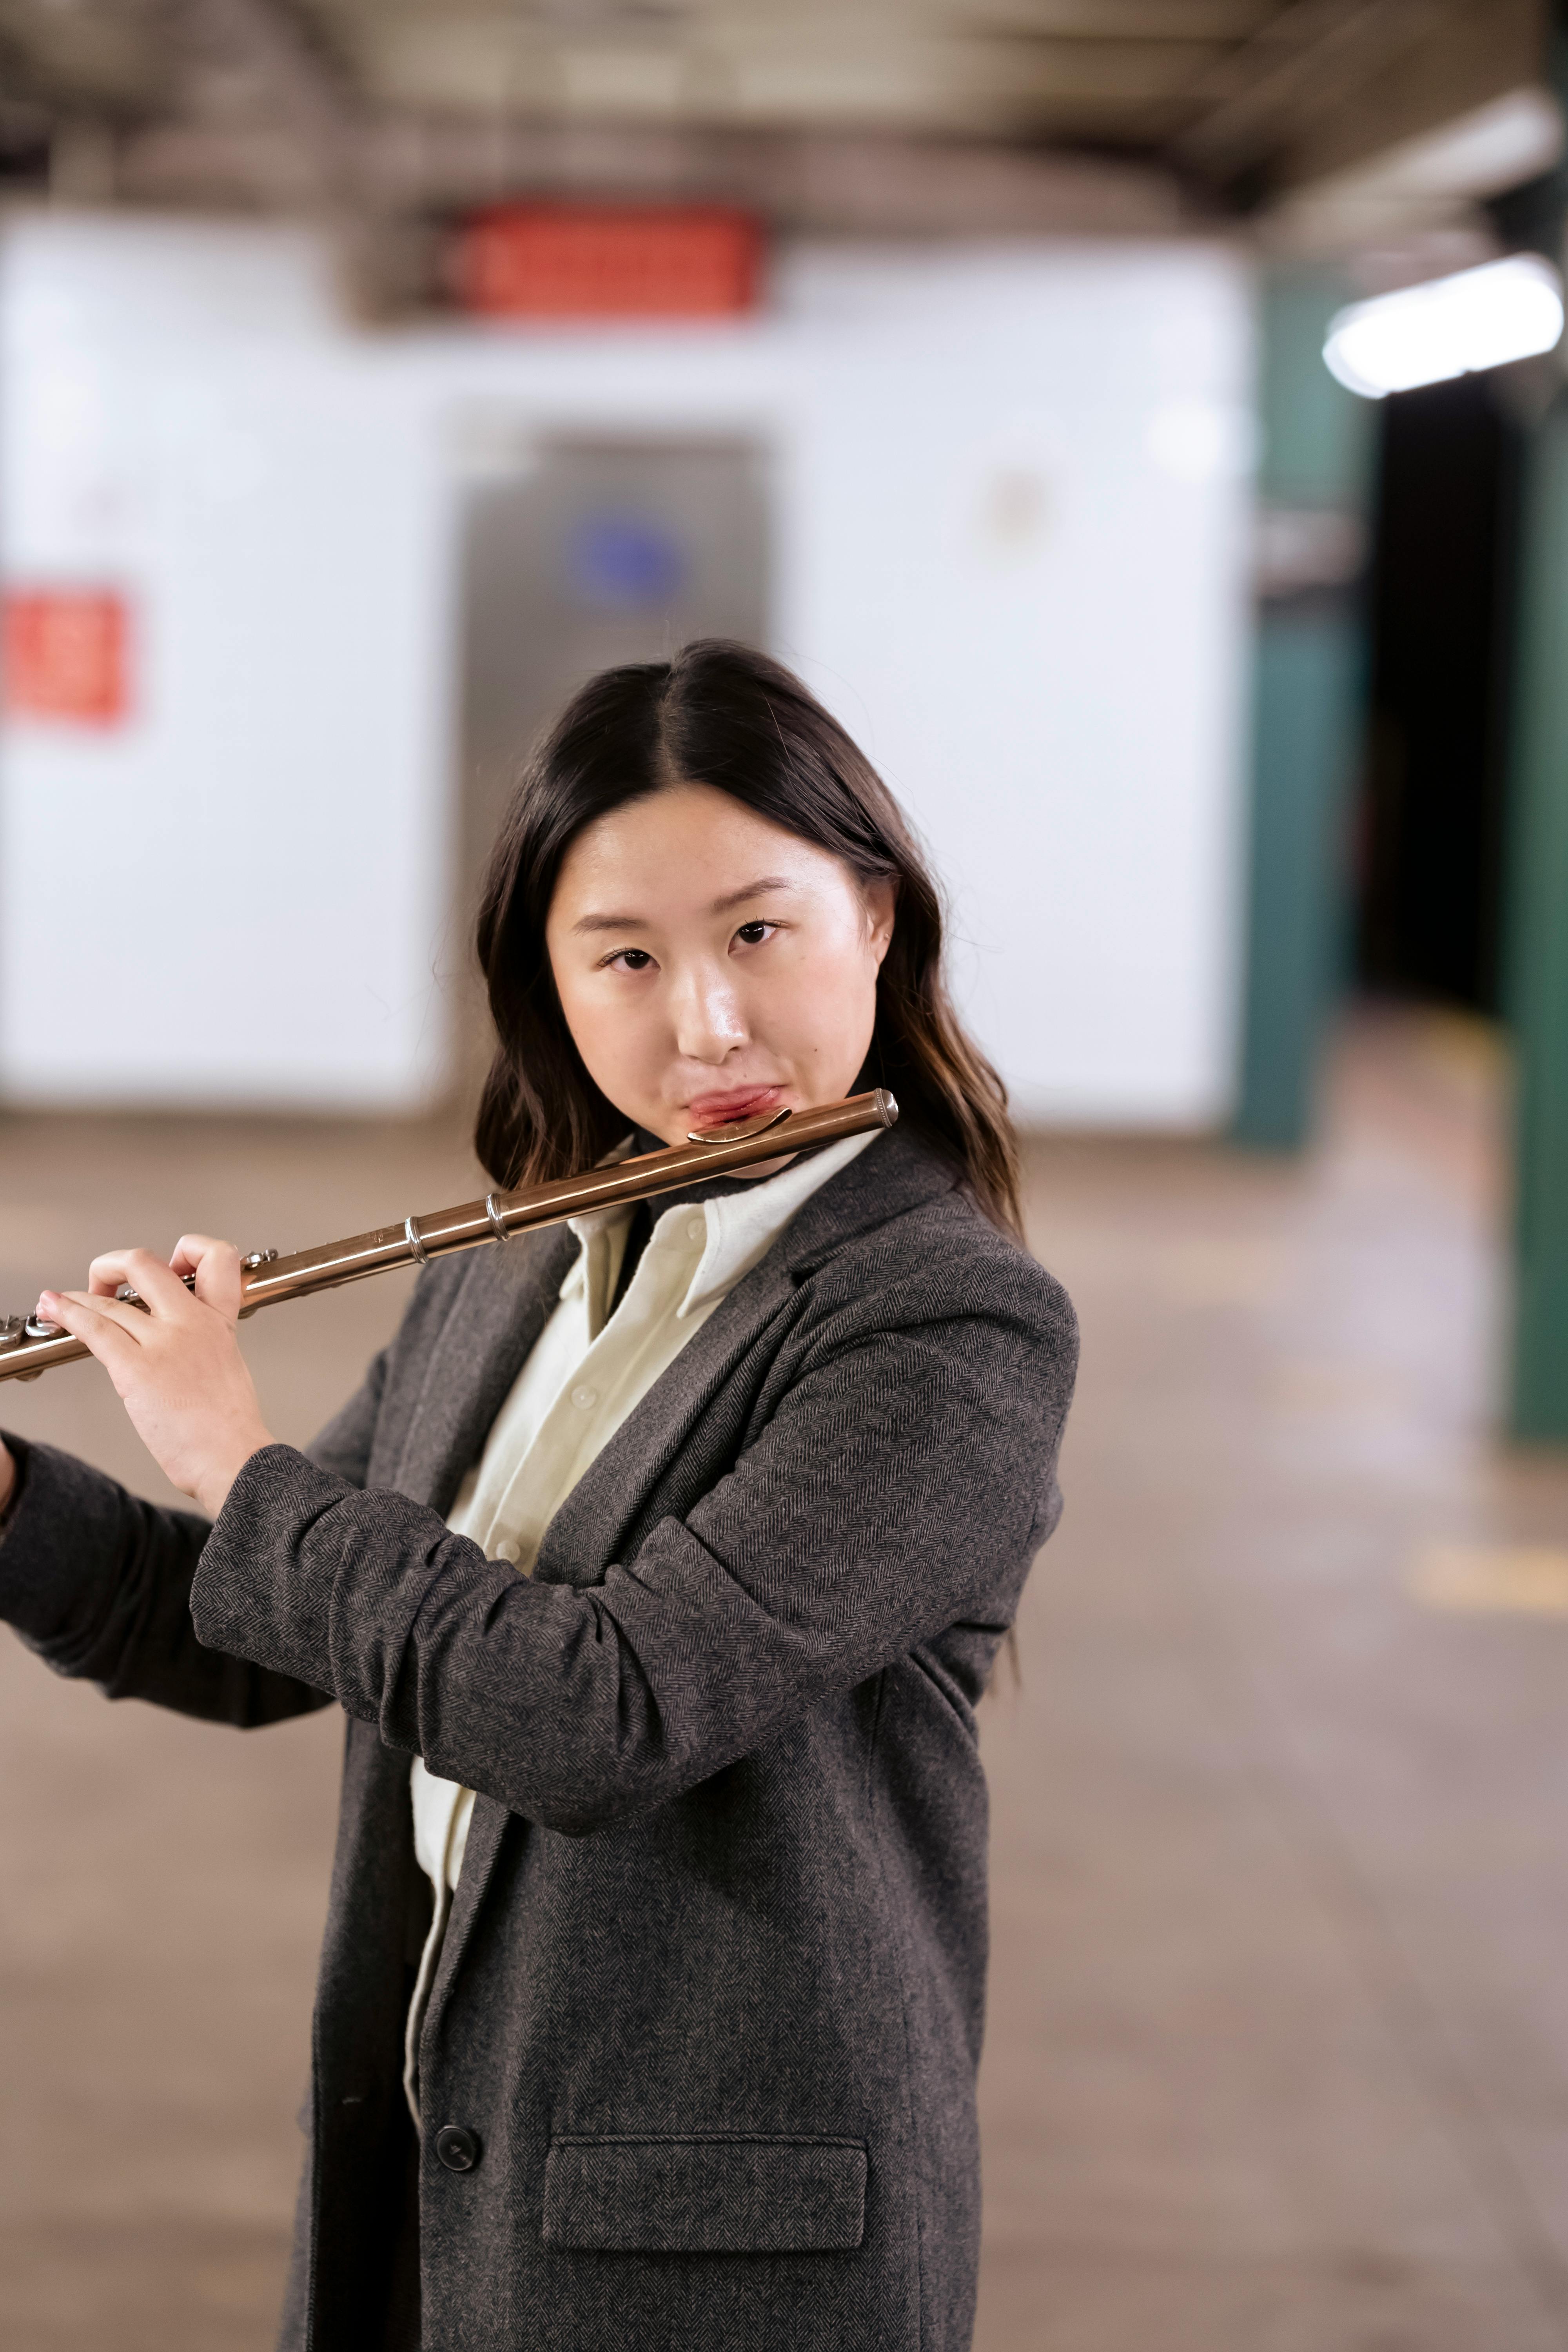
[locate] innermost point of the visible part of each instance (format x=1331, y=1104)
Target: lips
x=737, y=1103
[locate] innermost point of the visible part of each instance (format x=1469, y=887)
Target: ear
x=880, y=898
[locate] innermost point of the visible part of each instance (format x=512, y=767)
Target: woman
x=658, y=1566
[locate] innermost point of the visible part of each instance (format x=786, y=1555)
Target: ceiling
x=373, y=103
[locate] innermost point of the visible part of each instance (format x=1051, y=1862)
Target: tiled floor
x=1278, y=2050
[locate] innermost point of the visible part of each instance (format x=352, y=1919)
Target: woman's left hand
x=178, y=1368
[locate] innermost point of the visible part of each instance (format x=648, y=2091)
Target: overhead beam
x=1483, y=50
x=1297, y=63
x=876, y=185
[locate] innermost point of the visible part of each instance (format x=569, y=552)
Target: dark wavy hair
x=722, y=715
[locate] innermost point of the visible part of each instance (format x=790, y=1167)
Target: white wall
x=1059, y=707
x=231, y=898
x=1010, y=525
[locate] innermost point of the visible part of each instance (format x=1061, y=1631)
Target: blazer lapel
x=497, y=1312
x=589, y=1528
x=487, y=1827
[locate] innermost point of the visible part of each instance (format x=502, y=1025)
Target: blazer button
x=458, y=2147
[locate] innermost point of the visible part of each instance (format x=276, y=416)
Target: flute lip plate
x=738, y=1129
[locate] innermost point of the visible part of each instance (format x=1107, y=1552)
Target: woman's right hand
x=8, y=1478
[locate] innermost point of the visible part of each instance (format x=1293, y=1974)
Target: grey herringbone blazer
x=710, y=2004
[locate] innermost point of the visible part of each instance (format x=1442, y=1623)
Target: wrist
x=213, y=1490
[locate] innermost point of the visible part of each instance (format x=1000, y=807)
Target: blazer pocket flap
x=704, y=2196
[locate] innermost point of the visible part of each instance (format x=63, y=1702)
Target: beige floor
x=1279, y=2052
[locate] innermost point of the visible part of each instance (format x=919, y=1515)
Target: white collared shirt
x=583, y=1376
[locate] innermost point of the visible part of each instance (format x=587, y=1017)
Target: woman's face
x=711, y=965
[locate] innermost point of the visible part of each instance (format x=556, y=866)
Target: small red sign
x=585, y=261
x=66, y=655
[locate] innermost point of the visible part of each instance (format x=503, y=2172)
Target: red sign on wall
x=585, y=261
x=65, y=655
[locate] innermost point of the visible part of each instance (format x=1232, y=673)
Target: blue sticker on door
x=618, y=561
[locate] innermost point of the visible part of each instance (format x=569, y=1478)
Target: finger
x=147, y=1274
x=130, y=1319
x=216, y=1267
x=106, y=1273
x=115, y=1347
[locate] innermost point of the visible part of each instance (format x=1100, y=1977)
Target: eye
x=629, y=959
x=752, y=935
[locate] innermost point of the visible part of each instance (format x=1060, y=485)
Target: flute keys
x=257, y=1258
x=17, y=1330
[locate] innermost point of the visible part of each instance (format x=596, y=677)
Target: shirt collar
x=743, y=1226
x=737, y=1231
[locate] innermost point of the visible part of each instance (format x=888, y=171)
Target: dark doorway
x=1433, y=810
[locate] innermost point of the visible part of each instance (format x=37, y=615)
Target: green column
x=1535, y=931
x=1306, y=698
x=1537, y=941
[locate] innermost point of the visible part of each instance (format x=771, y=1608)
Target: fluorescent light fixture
x=1451, y=326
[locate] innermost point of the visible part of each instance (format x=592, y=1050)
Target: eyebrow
x=732, y=899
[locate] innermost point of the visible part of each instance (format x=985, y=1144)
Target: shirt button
x=506, y=1550
x=696, y=1228
x=585, y=1398
x=458, y=2147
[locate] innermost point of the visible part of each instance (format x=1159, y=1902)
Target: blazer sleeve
x=99, y=1583
x=904, y=1479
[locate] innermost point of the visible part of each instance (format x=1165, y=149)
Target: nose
x=707, y=1020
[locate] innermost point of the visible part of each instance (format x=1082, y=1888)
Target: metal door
x=595, y=553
